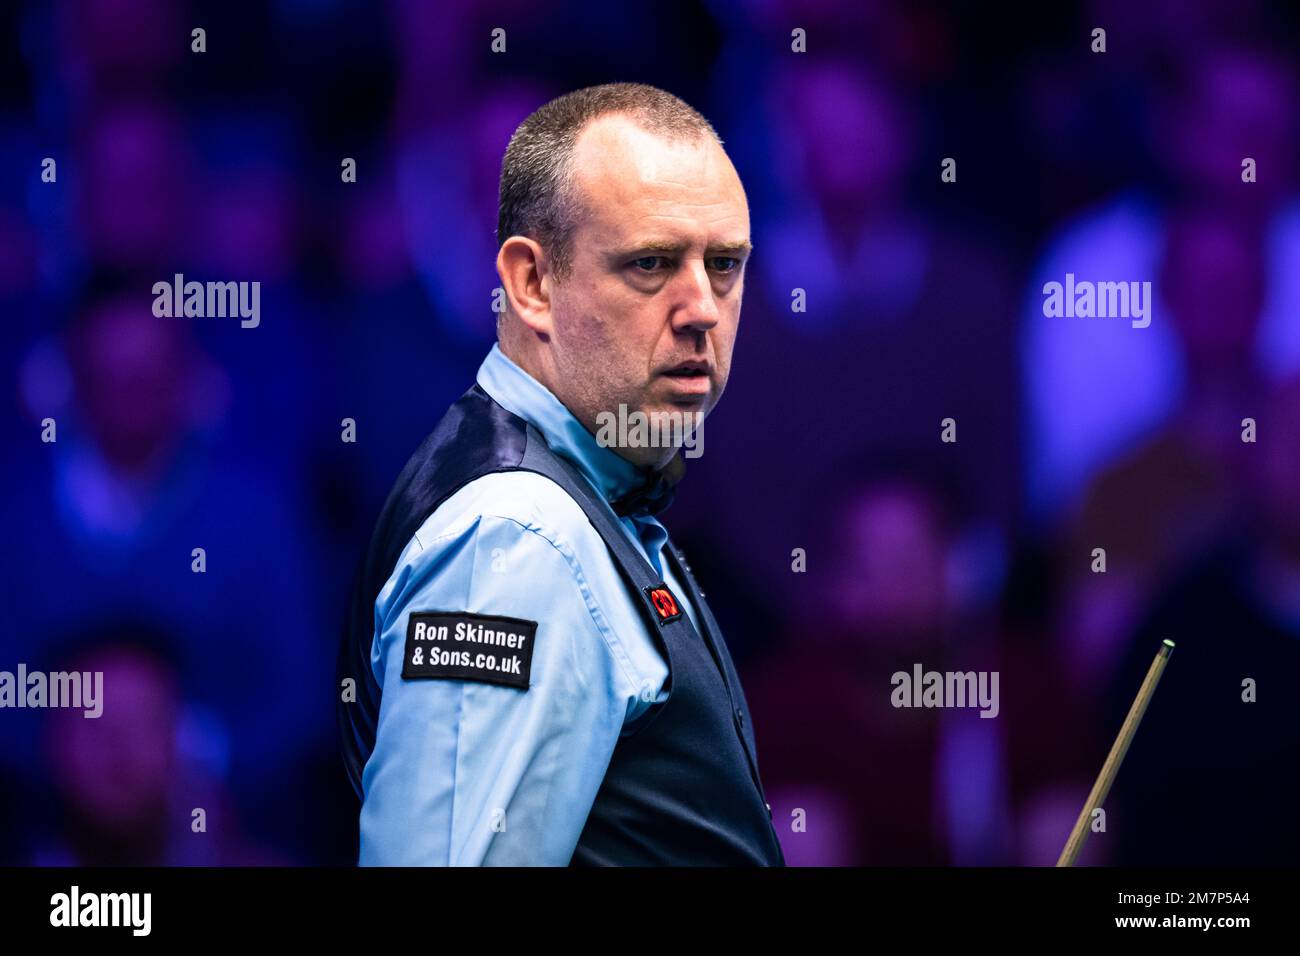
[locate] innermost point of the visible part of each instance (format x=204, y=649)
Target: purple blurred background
x=924, y=303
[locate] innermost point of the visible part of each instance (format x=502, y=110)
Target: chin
x=682, y=406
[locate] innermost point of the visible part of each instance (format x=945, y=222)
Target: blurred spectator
x=1095, y=386
x=1050, y=719
x=448, y=173
x=126, y=793
x=907, y=323
x=1168, y=497
x=1213, y=777
x=879, y=784
x=133, y=182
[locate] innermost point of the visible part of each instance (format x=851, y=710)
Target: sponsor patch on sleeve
x=456, y=645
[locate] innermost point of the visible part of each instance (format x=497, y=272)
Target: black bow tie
x=654, y=494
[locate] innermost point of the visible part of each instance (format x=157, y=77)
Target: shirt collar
x=519, y=393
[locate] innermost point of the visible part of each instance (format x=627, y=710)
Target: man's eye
x=647, y=263
x=734, y=262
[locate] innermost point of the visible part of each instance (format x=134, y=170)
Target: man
x=538, y=679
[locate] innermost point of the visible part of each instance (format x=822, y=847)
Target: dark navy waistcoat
x=682, y=787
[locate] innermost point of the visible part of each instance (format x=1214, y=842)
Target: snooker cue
x=1117, y=751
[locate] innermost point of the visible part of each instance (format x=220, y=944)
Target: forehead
x=632, y=179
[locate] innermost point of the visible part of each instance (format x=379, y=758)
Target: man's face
x=648, y=315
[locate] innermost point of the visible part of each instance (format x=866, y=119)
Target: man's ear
x=525, y=277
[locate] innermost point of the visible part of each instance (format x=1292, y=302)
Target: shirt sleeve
x=465, y=772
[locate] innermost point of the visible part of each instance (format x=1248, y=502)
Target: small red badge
x=665, y=604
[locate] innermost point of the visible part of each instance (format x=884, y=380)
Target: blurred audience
x=1213, y=775
x=894, y=785
x=127, y=791
x=1094, y=387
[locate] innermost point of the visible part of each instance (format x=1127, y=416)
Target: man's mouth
x=691, y=380
x=687, y=370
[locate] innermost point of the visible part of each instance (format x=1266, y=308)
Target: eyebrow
x=742, y=248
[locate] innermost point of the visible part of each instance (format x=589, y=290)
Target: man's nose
x=698, y=309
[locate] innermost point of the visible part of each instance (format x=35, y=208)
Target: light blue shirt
x=465, y=773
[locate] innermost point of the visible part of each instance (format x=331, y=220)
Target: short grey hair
x=538, y=197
